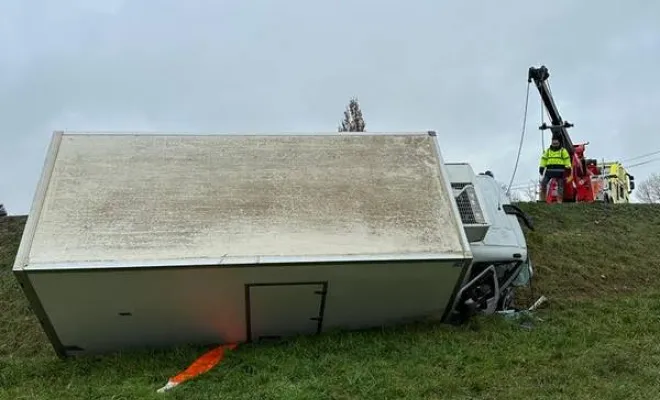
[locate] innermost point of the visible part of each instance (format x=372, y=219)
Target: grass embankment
x=599, y=337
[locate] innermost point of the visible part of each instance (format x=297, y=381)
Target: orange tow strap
x=201, y=365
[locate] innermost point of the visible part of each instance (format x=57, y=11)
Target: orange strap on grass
x=201, y=365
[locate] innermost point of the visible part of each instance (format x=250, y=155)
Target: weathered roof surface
x=125, y=198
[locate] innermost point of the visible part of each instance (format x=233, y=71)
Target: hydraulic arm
x=558, y=127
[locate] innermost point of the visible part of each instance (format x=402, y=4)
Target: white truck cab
x=493, y=227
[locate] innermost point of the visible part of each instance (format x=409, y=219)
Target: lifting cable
x=522, y=136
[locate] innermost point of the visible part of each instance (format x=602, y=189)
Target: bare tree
x=515, y=197
x=531, y=191
x=648, y=191
x=353, y=120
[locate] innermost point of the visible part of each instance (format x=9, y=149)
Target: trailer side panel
x=107, y=310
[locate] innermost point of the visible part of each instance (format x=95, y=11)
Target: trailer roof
x=129, y=199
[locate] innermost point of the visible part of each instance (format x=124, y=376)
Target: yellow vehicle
x=614, y=183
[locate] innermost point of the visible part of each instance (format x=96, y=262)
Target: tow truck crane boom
x=559, y=127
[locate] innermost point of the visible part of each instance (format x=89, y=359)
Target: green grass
x=599, y=337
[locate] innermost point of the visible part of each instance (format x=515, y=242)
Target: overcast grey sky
x=291, y=65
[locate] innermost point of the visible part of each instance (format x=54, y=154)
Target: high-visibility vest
x=555, y=159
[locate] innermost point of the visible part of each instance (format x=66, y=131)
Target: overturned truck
x=152, y=240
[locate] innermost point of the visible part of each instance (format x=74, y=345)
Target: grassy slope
x=598, y=338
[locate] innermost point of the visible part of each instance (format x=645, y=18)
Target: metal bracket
x=492, y=306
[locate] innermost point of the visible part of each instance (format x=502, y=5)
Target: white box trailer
x=152, y=240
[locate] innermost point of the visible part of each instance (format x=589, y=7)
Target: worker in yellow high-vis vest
x=554, y=161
